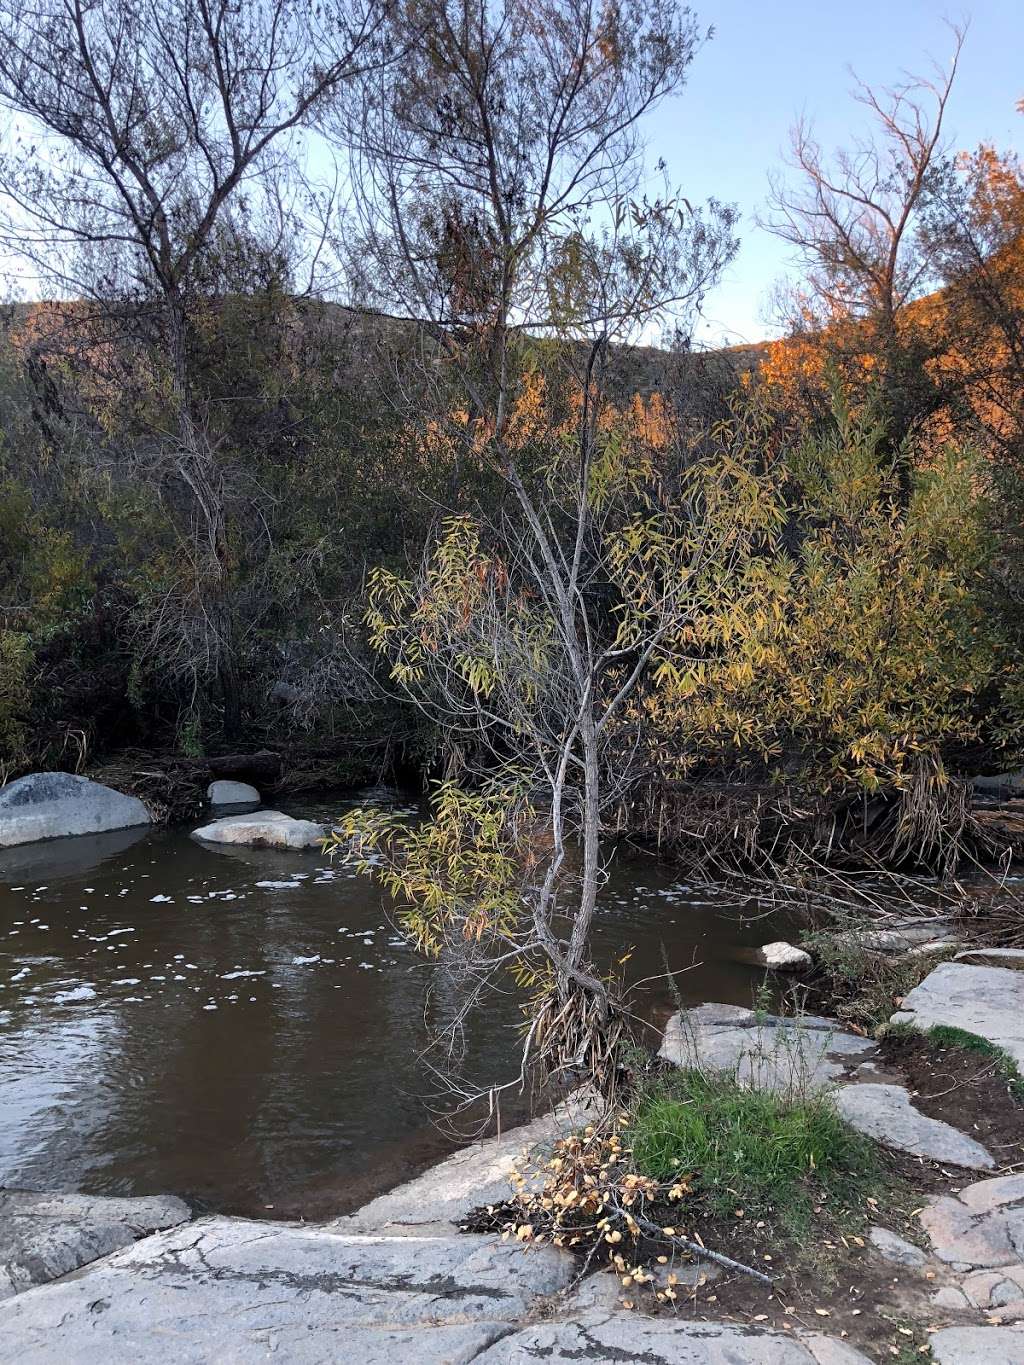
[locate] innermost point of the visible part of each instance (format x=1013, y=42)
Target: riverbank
x=942, y=1280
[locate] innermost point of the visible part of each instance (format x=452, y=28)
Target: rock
x=226, y=1289
x=477, y=1175
x=884, y=1112
x=950, y=1297
x=988, y=1001
x=764, y=1051
x=900, y=938
x=896, y=1249
x=937, y=945
x=54, y=805
x=832, y=1351
x=265, y=829
x=624, y=1336
x=999, y=1288
x=223, y=793
x=784, y=957
x=1012, y=958
x=981, y=1229
x=43, y=1236
x=977, y=1346
x=986, y=1196
x=1001, y=784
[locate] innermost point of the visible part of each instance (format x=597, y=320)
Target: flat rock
x=987, y=1196
x=885, y=1113
x=43, y=1236
x=1000, y=1288
x=55, y=805
x=978, y=1346
x=896, y=1249
x=935, y=945
x=1001, y=784
x=764, y=1051
x=980, y=1229
x=1013, y=958
x=625, y=1336
x=988, y=1001
x=477, y=1175
x=224, y=1289
x=265, y=829
x=224, y=793
x=898, y=938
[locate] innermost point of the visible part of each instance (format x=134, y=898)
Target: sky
x=771, y=60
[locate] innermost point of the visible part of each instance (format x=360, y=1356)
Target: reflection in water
x=244, y=1027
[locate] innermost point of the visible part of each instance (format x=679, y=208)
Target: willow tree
x=503, y=206
x=147, y=140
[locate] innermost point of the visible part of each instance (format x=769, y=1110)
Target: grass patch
x=776, y=1157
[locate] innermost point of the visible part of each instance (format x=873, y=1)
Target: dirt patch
x=964, y=1088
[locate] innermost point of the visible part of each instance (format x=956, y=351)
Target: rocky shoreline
x=129, y=1280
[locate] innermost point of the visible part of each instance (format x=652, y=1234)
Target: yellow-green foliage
x=841, y=635
x=458, y=874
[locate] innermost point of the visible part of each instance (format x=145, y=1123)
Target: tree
x=146, y=141
x=501, y=203
x=855, y=221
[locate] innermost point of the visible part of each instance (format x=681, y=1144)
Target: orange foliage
x=971, y=363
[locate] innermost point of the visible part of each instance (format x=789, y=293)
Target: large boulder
x=264, y=829
x=53, y=805
x=223, y=793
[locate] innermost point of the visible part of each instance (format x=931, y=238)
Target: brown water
x=244, y=1027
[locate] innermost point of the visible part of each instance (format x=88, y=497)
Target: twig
x=696, y=1248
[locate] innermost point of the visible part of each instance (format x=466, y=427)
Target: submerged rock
x=224, y=793
x=265, y=829
x=55, y=805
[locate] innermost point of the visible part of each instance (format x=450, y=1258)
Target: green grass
x=750, y=1148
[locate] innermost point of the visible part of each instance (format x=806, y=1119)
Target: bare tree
x=855, y=221
x=143, y=134
x=501, y=196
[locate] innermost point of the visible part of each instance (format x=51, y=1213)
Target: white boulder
x=263, y=829
x=225, y=793
x=54, y=805
x=784, y=957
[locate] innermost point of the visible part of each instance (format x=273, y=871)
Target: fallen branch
x=695, y=1248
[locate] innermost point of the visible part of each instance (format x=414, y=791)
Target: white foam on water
x=78, y=993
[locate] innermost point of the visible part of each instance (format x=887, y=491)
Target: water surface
x=245, y=1028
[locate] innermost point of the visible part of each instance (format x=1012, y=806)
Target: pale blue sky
x=772, y=59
